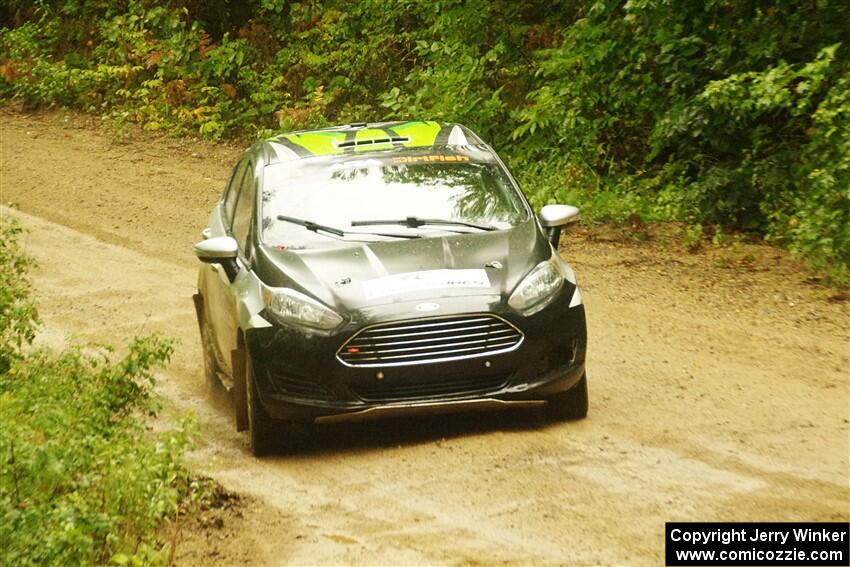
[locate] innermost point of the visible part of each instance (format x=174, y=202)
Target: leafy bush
x=18, y=314
x=730, y=113
x=723, y=112
x=81, y=479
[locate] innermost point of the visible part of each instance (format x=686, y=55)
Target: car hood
x=364, y=275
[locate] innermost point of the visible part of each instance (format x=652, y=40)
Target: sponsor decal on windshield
x=420, y=281
x=430, y=159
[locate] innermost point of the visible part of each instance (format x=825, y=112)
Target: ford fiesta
x=373, y=270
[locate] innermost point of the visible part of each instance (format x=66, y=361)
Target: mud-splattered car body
x=371, y=270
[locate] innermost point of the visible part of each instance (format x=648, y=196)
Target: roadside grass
x=83, y=480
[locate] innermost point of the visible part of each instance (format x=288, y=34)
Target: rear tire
x=569, y=405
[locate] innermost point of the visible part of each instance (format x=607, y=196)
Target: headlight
x=291, y=306
x=537, y=288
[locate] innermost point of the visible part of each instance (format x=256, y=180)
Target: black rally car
x=371, y=270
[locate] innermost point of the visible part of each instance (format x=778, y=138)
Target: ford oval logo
x=425, y=307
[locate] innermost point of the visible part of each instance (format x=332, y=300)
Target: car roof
x=352, y=139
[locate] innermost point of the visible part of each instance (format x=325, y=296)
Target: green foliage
x=714, y=112
x=719, y=112
x=692, y=237
x=817, y=223
x=81, y=480
x=18, y=314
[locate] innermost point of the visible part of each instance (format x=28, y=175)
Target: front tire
x=261, y=426
x=265, y=432
x=569, y=405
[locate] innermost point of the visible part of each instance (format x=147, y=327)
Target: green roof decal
x=372, y=134
x=318, y=143
x=420, y=133
x=326, y=142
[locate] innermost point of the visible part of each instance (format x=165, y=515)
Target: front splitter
x=398, y=410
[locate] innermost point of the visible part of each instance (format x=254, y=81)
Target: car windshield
x=443, y=194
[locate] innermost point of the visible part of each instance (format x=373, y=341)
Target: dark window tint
x=244, y=209
x=233, y=191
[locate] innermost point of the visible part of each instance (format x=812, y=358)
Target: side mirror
x=220, y=250
x=555, y=217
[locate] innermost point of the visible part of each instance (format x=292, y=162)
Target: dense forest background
x=723, y=114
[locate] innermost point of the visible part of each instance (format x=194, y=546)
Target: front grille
x=384, y=392
x=435, y=339
x=298, y=387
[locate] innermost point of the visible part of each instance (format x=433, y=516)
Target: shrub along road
x=718, y=380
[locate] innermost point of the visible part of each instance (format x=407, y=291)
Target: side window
x=244, y=209
x=232, y=192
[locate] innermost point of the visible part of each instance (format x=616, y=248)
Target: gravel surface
x=718, y=384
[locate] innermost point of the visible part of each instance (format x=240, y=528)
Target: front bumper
x=299, y=376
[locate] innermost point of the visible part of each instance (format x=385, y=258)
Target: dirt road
x=718, y=384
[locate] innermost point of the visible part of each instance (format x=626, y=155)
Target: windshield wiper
x=316, y=227
x=416, y=222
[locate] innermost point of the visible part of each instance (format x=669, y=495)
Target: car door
x=240, y=229
x=219, y=296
